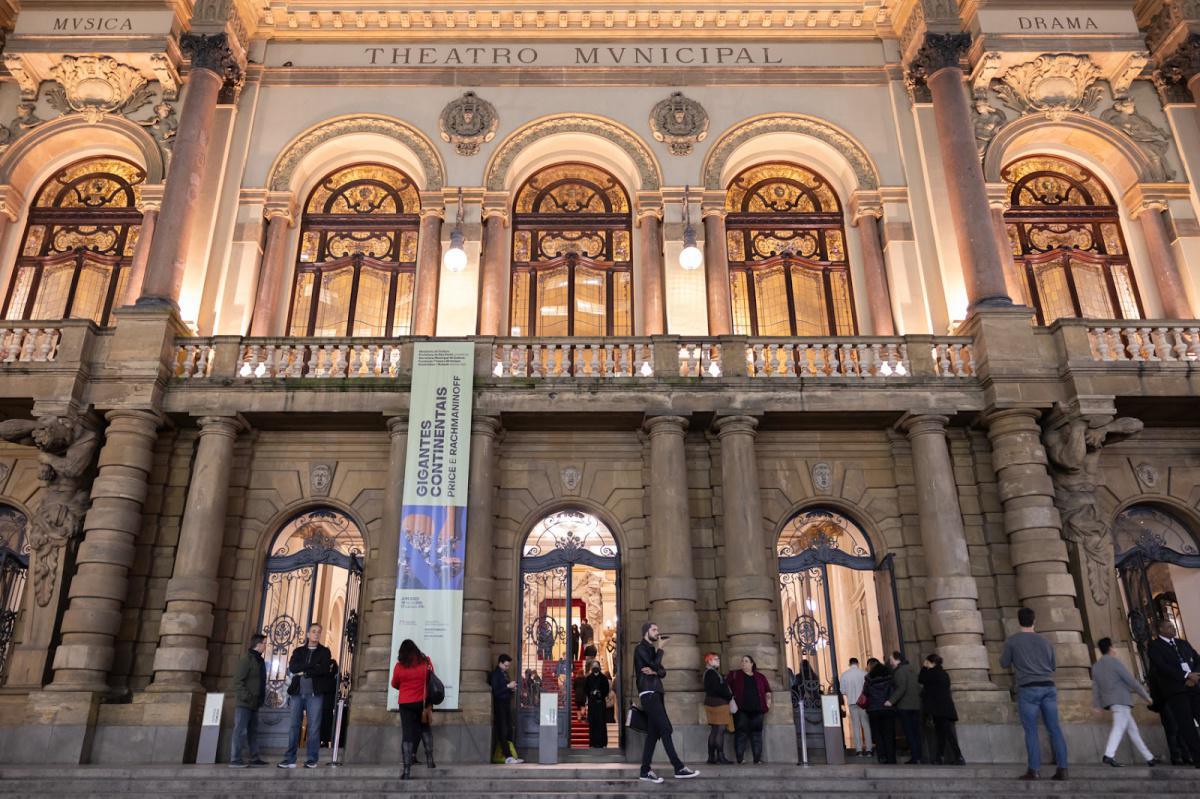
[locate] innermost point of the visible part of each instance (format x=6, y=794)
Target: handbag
x=733, y=706
x=862, y=700
x=635, y=719
x=435, y=691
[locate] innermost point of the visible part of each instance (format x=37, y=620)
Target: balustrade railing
x=28, y=344
x=1125, y=342
x=818, y=358
x=954, y=357
x=323, y=358
x=568, y=358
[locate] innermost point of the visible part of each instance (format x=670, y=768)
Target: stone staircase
x=611, y=781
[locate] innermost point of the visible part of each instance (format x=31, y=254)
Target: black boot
x=427, y=744
x=721, y=759
x=406, y=750
x=712, y=756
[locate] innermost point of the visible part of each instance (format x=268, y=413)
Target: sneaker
x=1152, y=762
x=686, y=773
x=258, y=761
x=650, y=776
x=310, y=764
x=236, y=764
x=513, y=761
x=1110, y=762
x=285, y=764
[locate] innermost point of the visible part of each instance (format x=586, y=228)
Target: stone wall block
x=751, y=587
x=667, y=588
x=82, y=657
x=181, y=622
x=192, y=589
x=180, y=659
x=1036, y=550
x=959, y=656
x=87, y=620
x=956, y=621
x=941, y=588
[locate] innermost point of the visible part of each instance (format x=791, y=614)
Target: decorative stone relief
x=1147, y=475
x=570, y=478
x=1073, y=444
x=67, y=452
x=988, y=121
x=1176, y=71
x=320, y=478
x=822, y=477
x=1154, y=142
x=679, y=122
x=5, y=471
x=467, y=123
x=1051, y=84
x=939, y=51
x=95, y=86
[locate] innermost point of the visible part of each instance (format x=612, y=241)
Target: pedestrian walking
x=597, y=687
x=752, y=695
x=311, y=667
x=717, y=694
x=1031, y=657
x=249, y=690
x=649, y=671
x=503, y=690
x=1113, y=688
x=906, y=699
x=878, y=688
x=851, y=682
x=410, y=677
x=937, y=702
x=1176, y=668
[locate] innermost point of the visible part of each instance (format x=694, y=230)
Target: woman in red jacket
x=752, y=693
x=410, y=677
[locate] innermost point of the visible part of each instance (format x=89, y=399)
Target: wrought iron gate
x=14, y=568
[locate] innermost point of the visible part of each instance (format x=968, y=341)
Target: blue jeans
x=245, y=734
x=301, y=704
x=1033, y=701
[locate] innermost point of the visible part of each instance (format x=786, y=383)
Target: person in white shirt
x=851, y=683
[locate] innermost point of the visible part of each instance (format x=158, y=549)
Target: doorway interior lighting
x=690, y=257
x=455, y=257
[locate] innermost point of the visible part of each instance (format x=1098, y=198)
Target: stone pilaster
x=652, y=302
x=866, y=211
x=1150, y=214
x=273, y=276
x=151, y=203
x=493, y=313
x=671, y=584
x=1034, y=529
x=474, y=696
x=716, y=272
x=93, y=617
x=215, y=65
x=937, y=68
x=950, y=587
x=429, y=273
x=381, y=575
x=187, y=622
x=1178, y=75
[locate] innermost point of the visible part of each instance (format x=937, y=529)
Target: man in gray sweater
x=1113, y=688
x=1031, y=658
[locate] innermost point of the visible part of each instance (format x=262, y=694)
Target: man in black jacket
x=1175, y=668
x=311, y=667
x=503, y=687
x=250, y=689
x=647, y=665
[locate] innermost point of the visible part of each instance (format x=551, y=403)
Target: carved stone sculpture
x=1154, y=142
x=96, y=86
x=679, y=122
x=988, y=121
x=67, y=453
x=1073, y=444
x=468, y=123
x=1052, y=84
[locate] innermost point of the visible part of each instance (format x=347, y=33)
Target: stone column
x=150, y=204
x=1014, y=272
x=716, y=272
x=273, y=275
x=493, y=312
x=1178, y=75
x=1034, y=528
x=671, y=586
x=937, y=67
x=97, y=595
x=187, y=621
x=653, y=301
x=866, y=211
x=213, y=65
x=1149, y=215
x=950, y=588
x=11, y=204
x=477, y=594
x=429, y=273
x=750, y=593
x=381, y=574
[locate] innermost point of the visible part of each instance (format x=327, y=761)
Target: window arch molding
x=520, y=533
x=873, y=536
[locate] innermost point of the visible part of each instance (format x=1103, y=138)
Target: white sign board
x=831, y=713
x=212, y=710
x=548, y=715
x=1043, y=21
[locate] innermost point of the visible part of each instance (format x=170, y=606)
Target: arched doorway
x=312, y=575
x=1159, y=567
x=837, y=601
x=570, y=570
x=14, y=567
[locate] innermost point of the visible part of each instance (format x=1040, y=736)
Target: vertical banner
x=433, y=520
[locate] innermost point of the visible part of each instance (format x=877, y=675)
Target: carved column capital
x=1140, y=199
x=151, y=198
x=1176, y=71
x=865, y=203
x=923, y=424
x=215, y=52
x=227, y=426
x=11, y=202
x=666, y=426
x=280, y=204
x=999, y=196
x=743, y=425
x=397, y=426
x=939, y=51
x=488, y=426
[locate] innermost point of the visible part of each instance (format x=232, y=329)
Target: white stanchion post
x=337, y=732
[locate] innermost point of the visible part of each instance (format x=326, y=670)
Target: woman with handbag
x=752, y=693
x=938, y=703
x=411, y=678
x=717, y=695
x=877, y=687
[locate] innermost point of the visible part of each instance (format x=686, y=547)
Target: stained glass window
x=1066, y=233
x=78, y=245
x=356, y=269
x=788, y=270
x=571, y=256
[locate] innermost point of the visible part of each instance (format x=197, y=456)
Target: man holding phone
x=647, y=664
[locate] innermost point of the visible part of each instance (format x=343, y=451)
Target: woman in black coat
x=877, y=687
x=597, y=687
x=938, y=703
x=717, y=694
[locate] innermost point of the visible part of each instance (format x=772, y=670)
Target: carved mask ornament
x=679, y=123
x=1052, y=84
x=95, y=86
x=468, y=123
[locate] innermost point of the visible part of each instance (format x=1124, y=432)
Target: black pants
x=716, y=738
x=883, y=731
x=658, y=727
x=945, y=742
x=410, y=723
x=1185, y=712
x=597, y=724
x=502, y=727
x=910, y=722
x=747, y=727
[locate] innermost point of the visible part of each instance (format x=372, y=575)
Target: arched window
x=1065, y=231
x=14, y=567
x=358, y=255
x=788, y=271
x=78, y=245
x=571, y=255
